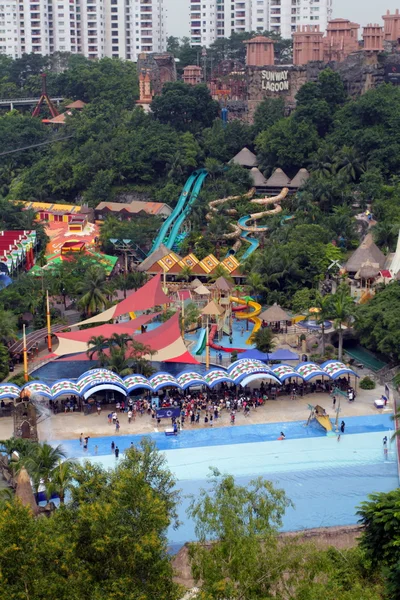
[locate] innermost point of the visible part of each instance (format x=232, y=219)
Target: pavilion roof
x=367, y=251
x=273, y=314
x=278, y=179
x=212, y=309
x=245, y=158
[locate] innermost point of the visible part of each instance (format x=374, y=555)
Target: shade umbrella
x=202, y=290
x=212, y=309
x=274, y=314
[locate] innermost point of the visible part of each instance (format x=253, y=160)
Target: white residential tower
x=94, y=28
x=213, y=19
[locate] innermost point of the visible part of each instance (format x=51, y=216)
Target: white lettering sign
x=275, y=81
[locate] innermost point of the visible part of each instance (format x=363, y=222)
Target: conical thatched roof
x=202, y=290
x=223, y=285
x=258, y=178
x=278, y=179
x=367, y=252
x=154, y=257
x=195, y=283
x=368, y=271
x=245, y=158
x=273, y=314
x=299, y=179
x=212, y=309
x=24, y=491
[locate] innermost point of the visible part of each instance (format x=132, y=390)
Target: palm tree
x=94, y=290
x=41, y=260
x=220, y=271
x=62, y=478
x=255, y=283
x=96, y=346
x=186, y=273
x=322, y=160
x=342, y=308
x=263, y=339
x=8, y=326
x=324, y=306
x=349, y=163
x=41, y=462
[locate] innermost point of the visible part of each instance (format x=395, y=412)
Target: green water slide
x=183, y=198
x=200, y=177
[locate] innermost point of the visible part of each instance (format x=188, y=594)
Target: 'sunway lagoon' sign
x=275, y=81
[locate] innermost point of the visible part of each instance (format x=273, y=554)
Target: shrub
x=367, y=383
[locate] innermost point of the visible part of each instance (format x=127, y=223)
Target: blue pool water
x=325, y=479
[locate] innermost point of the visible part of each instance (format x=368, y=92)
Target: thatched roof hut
x=245, y=158
x=212, y=309
x=223, y=285
x=195, y=283
x=202, y=290
x=299, y=179
x=24, y=491
x=368, y=271
x=274, y=314
x=278, y=179
x=367, y=252
x=258, y=178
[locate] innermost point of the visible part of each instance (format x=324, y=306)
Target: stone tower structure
x=308, y=44
x=25, y=423
x=260, y=52
x=145, y=94
x=373, y=38
x=341, y=40
x=392, y=26
x=192, y=75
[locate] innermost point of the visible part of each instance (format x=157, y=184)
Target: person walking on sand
x=334, y=401
x=129, y=415
x=117, y=426
x=81, y=439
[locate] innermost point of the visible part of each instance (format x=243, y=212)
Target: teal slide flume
x=176, y=212
x=201, y=175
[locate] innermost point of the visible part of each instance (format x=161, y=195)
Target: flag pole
x=207, y=347
x=48, y=322
x=26, y=375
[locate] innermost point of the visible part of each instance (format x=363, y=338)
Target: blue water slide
x=201, y=175
x=254, y=243
x=185, y=194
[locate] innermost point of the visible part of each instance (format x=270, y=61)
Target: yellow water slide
x=324, y=421
x=251, y=316
x=323, y=418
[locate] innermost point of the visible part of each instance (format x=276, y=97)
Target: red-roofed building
x=126, y=211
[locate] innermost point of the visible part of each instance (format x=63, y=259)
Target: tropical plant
x=96, y=346
x=255, y=284
x=61, y=481
x=323, y=304
x=342, y=308
x=8, y=326
x=367, y=383
x=186, y=273
x=263, y=340
x=93, y=290
x=41, y=462
x=220, y=271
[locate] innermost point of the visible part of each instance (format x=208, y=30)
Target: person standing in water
x=342, y=426
x=385, y=447
x=116, y=452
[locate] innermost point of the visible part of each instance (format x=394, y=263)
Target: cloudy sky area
x=360, y=11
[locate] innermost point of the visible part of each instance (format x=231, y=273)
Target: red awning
x=148, y=296
x=128, y=327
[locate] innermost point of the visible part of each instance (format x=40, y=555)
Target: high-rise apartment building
x=213, y=19
x=94, y=28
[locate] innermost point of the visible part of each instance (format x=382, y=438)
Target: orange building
x=308, y=44
x=373, y=38
x=192, y=75
x=341, y=40
x=260, y=52
x=392, y=26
